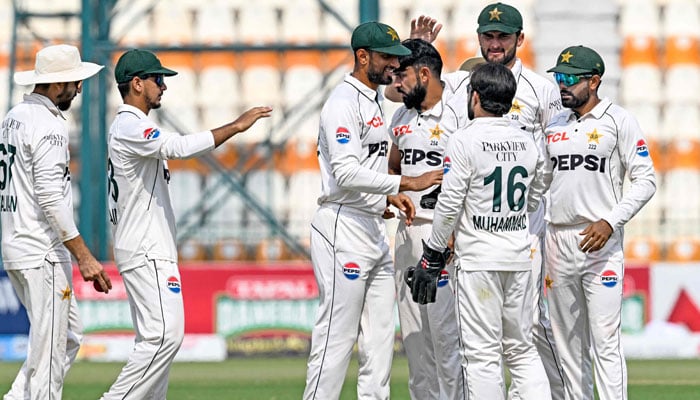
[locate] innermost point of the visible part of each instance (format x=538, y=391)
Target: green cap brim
x=396, y=50
x=567, y=69
x=162, y=70
x=499, y=27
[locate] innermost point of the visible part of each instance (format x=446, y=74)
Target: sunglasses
x=159, y=79
x=568, y=79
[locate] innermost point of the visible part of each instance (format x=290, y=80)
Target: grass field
x=283, y=378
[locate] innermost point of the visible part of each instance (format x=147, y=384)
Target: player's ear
x=362, y=56
x=594, y=83
x=424, y=74
x=520, y=38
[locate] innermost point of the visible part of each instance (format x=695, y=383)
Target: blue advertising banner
x=13, y=316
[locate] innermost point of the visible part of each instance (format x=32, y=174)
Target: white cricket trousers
x=585, y=301
x=55, y=331
x=495, y=318
x=430, y=334
x=355, y=276
x=155, y=298
x=542, y=334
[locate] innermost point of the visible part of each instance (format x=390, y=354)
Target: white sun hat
x=59, y=63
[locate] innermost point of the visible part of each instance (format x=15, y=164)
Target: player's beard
x=378, y=77
x=65, y=99
x=573, y=102
x=151, y=103
x=415, y=97
x=507, y=56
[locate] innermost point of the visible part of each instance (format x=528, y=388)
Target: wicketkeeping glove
x=424, y=277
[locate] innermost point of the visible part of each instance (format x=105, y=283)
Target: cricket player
x=536, y=102
x=493, y=176
x=420, y=130
x=36, y=213
x=591, y=147
x=143, y=223
x=349, y=246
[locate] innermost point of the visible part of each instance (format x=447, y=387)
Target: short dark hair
x=496, y=86
x=124, y=88
x=423, y=54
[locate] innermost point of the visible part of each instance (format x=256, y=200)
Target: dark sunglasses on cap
x=568, y=79
x=159, y=79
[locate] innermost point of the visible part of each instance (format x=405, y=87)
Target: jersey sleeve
x=537, y=186
x=343, y=135
x=146, y=139
x=455, y=184
x=551, y=103
x=635, y=159
x=50, y=170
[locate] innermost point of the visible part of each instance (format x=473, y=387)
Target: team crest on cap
x=443, y=279
x=495, y=14
x=609, y=278
x=565, y=57
x=351, y=271
x=446, y=165
x=174, y=284
x=391, y=32
x=342, y=135
x=642, y=148
x=151, y=133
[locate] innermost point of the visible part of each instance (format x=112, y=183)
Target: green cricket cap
x=500, y=17
x=579, y=60
x=137, y=62
x=378, y=37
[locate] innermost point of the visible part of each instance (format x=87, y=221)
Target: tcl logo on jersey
x=446, y=165
x=556, y=137
x=414, y=156
x=351, y=271
x=402, y=130
x=174, y=284
x=375, y=122
x=381, y=148
x=642, y=148
x=342, y=135
x=444, y=278
x=151, y=133
x=569, y=162
x=608, y=278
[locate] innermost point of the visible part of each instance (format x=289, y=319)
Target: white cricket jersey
x=586, y=162
x=493, y=176
x=353, y=146
x=421, y=139
x=140, y=211
x=36, y=205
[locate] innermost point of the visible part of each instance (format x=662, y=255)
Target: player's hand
x=248, y=118
x=404, y=204
x=91, y=270
x=388, y=213
x=421, y=182
x=595, y=236
x=450, y=248
x=426, y=274
x=425, y=28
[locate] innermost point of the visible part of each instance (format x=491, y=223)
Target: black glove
x=428, y=200
x=424, y=279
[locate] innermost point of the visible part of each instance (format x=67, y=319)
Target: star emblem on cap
x=594, y=136
x=436, y=132
x=391, y=32
x=495, y=14
x=66, y=293
x=516, y=107
x=565, y=57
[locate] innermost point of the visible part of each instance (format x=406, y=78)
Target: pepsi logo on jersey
x=174, y=284
x=443, y=279
x=642, y=148
x=446, y=165
x=351, y=271
x=151, y=133
x=608, y=278
x=342, y=135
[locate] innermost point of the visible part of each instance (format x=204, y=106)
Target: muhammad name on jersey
x=500, y=224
